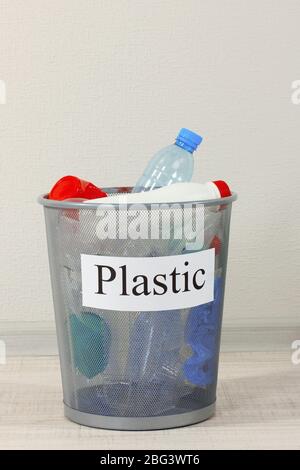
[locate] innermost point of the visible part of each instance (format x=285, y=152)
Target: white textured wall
x=95, y=87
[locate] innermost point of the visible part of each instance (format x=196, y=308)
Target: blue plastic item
x=201, y=333
x=91, y=340
x=172, y=164
x=188, y=140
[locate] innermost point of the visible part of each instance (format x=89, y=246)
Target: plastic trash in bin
x=176, y=193
x=90, y=338
x=202, y=334
x=171, y=164
x=154, y=364
x=154, y=348
x=73, y=187
x=153, y=381
x=185, y=192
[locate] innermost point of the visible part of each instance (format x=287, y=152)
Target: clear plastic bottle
x=172, y=164
x=154, y=368
x=154, y=350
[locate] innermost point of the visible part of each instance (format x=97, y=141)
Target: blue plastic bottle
x=172, y=164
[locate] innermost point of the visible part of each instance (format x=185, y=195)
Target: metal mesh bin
x=138, y=340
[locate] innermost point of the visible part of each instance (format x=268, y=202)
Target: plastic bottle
x=154, y=365
x=153, y=348
x=172, y=164
x=177, y=193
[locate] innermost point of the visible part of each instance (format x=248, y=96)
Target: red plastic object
x=72, y=187
x=216, y=244
x=124, y=189
x=223, y=188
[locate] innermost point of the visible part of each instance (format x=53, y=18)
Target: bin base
x=142, y=423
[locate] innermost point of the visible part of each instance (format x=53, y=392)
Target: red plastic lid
x=223, y=188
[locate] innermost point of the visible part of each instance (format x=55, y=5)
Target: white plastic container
x=177, y=192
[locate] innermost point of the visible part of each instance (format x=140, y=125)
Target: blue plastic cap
x=188, y=140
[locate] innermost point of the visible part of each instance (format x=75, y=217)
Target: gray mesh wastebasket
x=138, y=307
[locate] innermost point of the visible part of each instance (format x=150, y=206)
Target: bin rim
x=44, y=201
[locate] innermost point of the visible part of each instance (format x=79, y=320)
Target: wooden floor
x=258, y=407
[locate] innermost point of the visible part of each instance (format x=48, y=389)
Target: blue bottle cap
x=188, y=140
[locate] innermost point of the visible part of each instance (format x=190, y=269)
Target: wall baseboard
x=39, y=339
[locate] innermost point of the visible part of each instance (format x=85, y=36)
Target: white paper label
x=148, y=284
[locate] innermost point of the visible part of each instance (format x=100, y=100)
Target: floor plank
x=258, y=407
